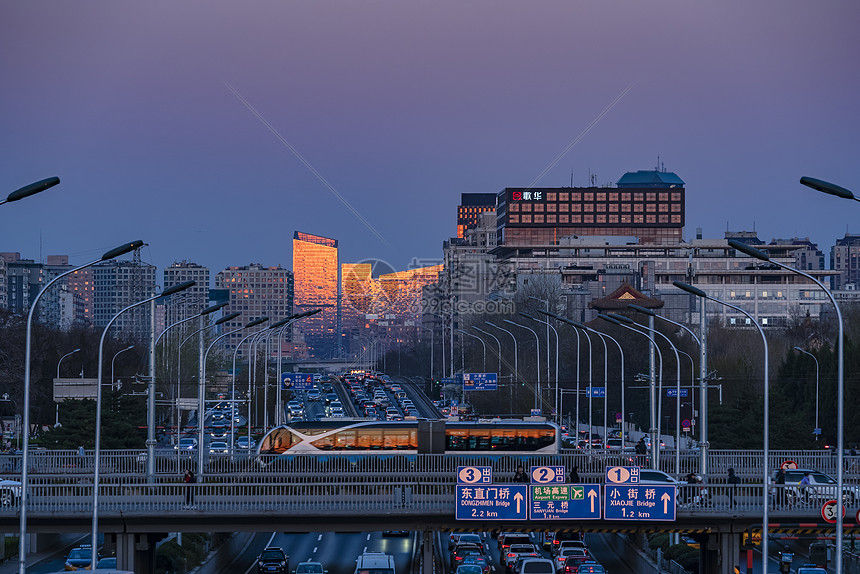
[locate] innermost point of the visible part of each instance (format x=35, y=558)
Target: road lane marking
x=319, y=537
x=315, y=549
x=269, y=543
x=368, y=536
x=365, y=550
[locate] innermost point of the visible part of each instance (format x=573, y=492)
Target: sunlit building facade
x=315, y=272
x=472, y=205
x=255, y=291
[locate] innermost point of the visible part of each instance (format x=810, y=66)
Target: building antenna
x=571, y=178
x=658, y=163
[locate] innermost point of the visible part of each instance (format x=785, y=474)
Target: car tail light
x=511, y=555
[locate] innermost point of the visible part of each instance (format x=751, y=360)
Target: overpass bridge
x=344, y=492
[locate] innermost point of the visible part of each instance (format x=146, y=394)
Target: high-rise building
x=472, y=205
x=648, y=205
x=315, y=269
x=807, y=255
x=190, y=301
x=255, y=291
x=118, y=284
x=845, y=258
x=82, y=285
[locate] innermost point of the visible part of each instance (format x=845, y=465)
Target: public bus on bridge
x=496, y=437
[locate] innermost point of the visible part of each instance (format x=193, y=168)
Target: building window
x=513, y=218
x=638, y=218
x=539, y=207
x=650, y=219
x=576, y=219
x=625, y=219
x=625, y=208
x=638, y=207
x=664, y=219
x=550, y=218
x=676, y=219
x=563, y=196
x=676, y=208
x=526, y=206
x=625, y=196
x=514, y=207
x=589, y=207
x=601, y=207
x=613, y=218
x=538, y=218
x=676, y=196
x=551, y=207
x=651, y=196
x=613, y=197
x=588, y=196
x=563, y=219
x=664, y=196
x=563, y=207
x=527, y=218
x=651, y=208
x=601, y=219
x=601, y=196
x=550, y=196
x=663, y=208
x=576, y=196
x=613, y=208
x=588, y=219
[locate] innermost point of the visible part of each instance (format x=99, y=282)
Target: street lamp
x=561, y=399
x=539, y=395
x=515, y=377
x=654, y=392
x=546, y=302
x=112, y=380
x=116, y=252
x=838, y=191
x=31, y=189
x=625, y=319
x=292, y=319
x=480, y=340
x=817, y=430
x=97, y=453
x=201, y=393
x=220, y=321
x=765, y=511
x=499, y=343
x=57, y=416
x=548, y=327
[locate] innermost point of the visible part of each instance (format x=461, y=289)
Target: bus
x=495, y=437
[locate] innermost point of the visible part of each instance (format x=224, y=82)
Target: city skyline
x=147, y=132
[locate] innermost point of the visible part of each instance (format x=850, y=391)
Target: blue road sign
x=595, y=392
x=674, y=392
x=297, y=381
x=646, y=502
x=535, y=412
x=492, y=502
x=547, y=474
x=816, y=431
x=480, y=381
x=565, y=502
x=474, y=474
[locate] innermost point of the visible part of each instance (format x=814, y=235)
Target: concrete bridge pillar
x=720, y=553
x=134, y=551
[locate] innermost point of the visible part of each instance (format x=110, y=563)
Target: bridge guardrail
x=136, y=497
x=591, y=465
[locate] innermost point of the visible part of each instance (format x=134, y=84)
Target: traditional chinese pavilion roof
x=623, y=296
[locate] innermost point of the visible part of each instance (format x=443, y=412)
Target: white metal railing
x=591, y=465
x=131, y=496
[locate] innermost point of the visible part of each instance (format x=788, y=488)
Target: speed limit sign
x=788, y=465
x=829, y=510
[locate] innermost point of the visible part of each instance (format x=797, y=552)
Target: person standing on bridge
x=189, y=479
x=733, y=482
x=520, y=475
x=780, y=491
x=82, y=456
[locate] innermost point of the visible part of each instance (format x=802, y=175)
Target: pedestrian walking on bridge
x=189, y=479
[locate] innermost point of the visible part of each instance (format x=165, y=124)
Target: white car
x=822, y=487
x=186, y=444
x=10, y=492
x=219, y=447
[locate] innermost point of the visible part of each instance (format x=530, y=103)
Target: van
x=535, y=566
x=374, y=563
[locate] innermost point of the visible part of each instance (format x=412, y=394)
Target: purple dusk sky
x=401, y=106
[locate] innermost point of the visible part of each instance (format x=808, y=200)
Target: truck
x=374, y=563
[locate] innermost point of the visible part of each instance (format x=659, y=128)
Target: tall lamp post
x=561, y=398
x=765, y=487
x=57, y=416
x=201, y=393
x=539, y=395
x=116, y=252
x=838, y=191
x=480, y=340
x=97, y=453
x=31, y=189
x=112, y=380
x=499, y=343
x=625, y=319
x=548, y=327
x=654, y=392
x=515, y=377
x=817, y=428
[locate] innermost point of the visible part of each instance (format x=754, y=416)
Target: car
x=468, y=538
x=387, y=533
x=218, y=430
x=469, y=569
x=217, y=416
x=243, y=442
x=810, y=569
x=331, y=397
x=108, y=563
x=10, y=492
x=517, y=551
x=219, y=447
x=186, y=444
x=79, y=558
x=534, y=566
x=563, y=536
x=508, y=538
x=567, y=551
x=273, y=559
x=653, y=476
x=822, y=487
x=572, y=563
x=462, y=550
x=474, y=559
x=314, y=395
x=309, y=568
x=587, y=567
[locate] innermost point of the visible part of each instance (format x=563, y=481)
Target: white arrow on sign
x=665, y=498
x=592, y=494
x=518, y=497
